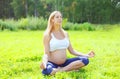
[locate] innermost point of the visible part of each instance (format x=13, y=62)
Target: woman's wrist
x=86, y=55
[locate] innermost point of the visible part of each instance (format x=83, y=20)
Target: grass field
x=21, y=52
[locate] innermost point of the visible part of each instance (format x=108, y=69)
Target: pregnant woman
x=56, y=41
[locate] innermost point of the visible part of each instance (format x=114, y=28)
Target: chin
x=59, y=24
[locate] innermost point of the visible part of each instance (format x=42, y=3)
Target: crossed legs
x=69, y=65
x=75, y=65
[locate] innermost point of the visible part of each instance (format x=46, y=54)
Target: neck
x=57, y=28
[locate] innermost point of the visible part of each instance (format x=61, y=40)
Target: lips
x=59, y=21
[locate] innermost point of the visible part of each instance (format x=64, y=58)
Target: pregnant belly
x=58, y=57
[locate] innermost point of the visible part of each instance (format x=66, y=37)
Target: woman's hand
x=91, y=54
x=44, y=61
x=43, y=65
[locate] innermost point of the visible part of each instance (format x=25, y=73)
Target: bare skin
x=59, y=56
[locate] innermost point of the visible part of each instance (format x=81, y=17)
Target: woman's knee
x=47, y=71
x=85, y=60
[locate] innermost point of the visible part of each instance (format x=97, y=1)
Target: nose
x=60, y=18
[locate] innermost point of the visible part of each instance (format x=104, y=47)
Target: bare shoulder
x=66, y=34
x=46, y=36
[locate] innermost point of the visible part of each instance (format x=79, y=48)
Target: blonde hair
x=51, y=24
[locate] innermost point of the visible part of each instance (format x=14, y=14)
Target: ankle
x=53, y=71
x=60, y=69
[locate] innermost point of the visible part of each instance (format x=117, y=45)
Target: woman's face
x=57, y=18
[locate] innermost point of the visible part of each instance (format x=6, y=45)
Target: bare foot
x=56, y=70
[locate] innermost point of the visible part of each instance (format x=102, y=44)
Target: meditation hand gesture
x=91, y=54
x=42, y=65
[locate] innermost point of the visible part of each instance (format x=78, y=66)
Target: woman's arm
x=76, y=53
x=46, y=39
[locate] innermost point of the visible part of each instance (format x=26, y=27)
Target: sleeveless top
x=58, y=44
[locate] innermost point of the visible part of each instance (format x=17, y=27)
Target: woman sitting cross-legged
x=56, y=42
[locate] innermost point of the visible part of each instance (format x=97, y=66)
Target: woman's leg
x=54, y=71
x=74, y=63
x=50, y=69
x=70, y=64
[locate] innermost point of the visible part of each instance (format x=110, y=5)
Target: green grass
x=21, y=52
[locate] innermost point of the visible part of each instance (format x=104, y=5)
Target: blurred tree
x=6, y=10
x=94, y=11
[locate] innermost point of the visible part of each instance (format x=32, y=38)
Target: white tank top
x=58, y=44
